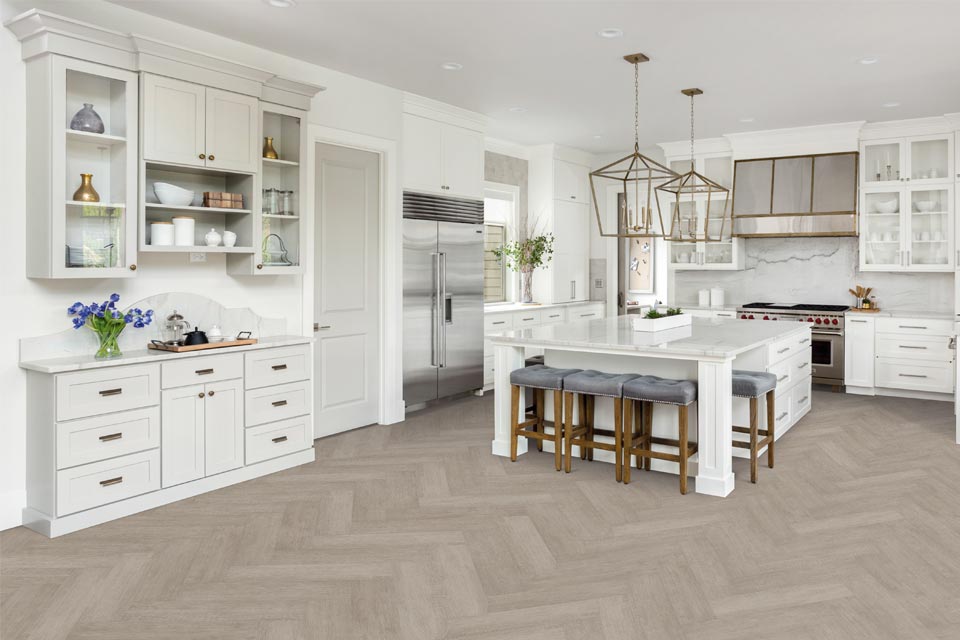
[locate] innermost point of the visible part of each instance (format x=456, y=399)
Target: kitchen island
x=707, y=351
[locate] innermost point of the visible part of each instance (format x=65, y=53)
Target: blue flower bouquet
x=108, y=322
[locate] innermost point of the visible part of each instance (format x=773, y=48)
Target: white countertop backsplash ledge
x=198, y=310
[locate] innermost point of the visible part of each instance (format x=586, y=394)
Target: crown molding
x=435, y=110
x=702, y=147
x=912, y=127
x=795, y=141
x=507, y=148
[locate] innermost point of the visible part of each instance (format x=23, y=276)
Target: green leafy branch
x=526, y=255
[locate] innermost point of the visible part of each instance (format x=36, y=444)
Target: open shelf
x=280, y=163
x=97, y=138
x=279, y=216
x=192, y=209
x=191, y=170
x=101, y=205
x=196, y=249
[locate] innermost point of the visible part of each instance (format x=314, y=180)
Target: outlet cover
x=198, y=257
x=598, y=283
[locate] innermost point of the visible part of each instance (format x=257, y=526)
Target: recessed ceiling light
x=869, y=60
x=517, y=109
x=610, y=33
x=597, y=137
x=747, y=119
x=451, y=66
x=890, y=105
x=281, y=4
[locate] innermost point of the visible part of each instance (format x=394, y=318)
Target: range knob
x=834, y=321
x=743, y=316
x=766, y=317
x=751, y=316
x=809, y=319
x=818, y=321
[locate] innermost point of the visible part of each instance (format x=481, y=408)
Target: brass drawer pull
x=279, y=403
x=203, y=372
x=111, y=436
x=280, y=439
x=111, y=392
x=278, y=367
x=111, y=481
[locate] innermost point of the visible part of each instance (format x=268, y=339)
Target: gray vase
x=87, y=120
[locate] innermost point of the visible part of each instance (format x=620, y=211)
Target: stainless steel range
x=826, y=325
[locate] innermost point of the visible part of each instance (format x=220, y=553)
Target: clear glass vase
x=109, y=348
x=526, y=287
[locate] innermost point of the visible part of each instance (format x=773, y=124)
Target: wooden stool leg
x=591, y=412
x=627, y=438
x=637, y=426
x=648, y=432
x=582, y=408
x=771, y=419
x=618, y=436
x=682, y=418
x=539, y=396
x=558, y=429
x=514, y=419
x=568, y=426
x=753, y=440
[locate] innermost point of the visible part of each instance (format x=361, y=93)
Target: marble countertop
x=919, y=314
x=499, y=307
x=705, y=337
x=139, y=356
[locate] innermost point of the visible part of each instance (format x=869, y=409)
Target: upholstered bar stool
x=586, y=387
x=532, y=407
x=648, y=391
x=753, y=385
x=541, y=379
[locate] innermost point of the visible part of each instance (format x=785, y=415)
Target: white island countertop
x=140, y=356
x=704, y=338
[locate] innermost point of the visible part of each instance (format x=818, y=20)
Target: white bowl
x=172, y=194
x=925, y=205
x=887, y=206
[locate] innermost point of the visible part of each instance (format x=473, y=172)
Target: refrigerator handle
x=442, y=314
x=434, y=312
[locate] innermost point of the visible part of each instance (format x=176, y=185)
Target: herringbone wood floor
x=416, y=531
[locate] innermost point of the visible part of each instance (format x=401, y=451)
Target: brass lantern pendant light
x=693, y=184
x=637, y=174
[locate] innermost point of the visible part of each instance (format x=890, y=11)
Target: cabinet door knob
x=133, y=267
x=259, y=266
x=201, y=394
x=212, y=157
x=210, y=393
x=202, y=156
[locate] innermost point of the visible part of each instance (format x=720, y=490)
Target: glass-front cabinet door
x=907, y=229
x=881, y=230
x=929, y=245
x=920, y=159
x=882, y=162
x=720, y=253
x=931, y=159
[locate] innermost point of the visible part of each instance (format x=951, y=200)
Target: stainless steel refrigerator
x=442, y=297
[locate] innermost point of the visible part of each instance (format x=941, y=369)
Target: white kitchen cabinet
x=442, y=158
x=223, y=427
x=858, y=353
x=918, y=160
x=571, y=182
x=723, y=254
x=907, y=228
x=571, y=224
x=189, y=124
x=182, y=438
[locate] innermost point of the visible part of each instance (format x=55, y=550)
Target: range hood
x=796, y=196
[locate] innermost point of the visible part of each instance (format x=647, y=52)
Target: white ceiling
x=783, y=63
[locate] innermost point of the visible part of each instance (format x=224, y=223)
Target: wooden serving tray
x=855, y=310
x=201, y=347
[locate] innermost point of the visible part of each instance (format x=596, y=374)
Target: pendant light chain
x=636, y=107
x=691, y=131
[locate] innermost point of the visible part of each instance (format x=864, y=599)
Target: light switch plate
x=198, y=257
x=598, y=283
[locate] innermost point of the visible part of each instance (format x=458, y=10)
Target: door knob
x=210, y=393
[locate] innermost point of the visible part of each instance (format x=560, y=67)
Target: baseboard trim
x=11, y=509
x=54, y=527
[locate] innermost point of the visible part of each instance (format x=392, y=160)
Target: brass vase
x=268, y=150
x=86, y=192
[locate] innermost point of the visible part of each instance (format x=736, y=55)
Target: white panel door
x=422, y=162
x=571, y=227
x=173, y=121
x=859, y=358
x=223, y=426
x=462, y=154
x=181, y=434
x=347, y=295
x=232, y=141
x=570, y=182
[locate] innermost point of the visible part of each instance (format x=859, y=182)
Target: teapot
x=195, y=337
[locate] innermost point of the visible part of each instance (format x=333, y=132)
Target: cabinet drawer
x=187, y=371
x=90, y=393
x=915, y=347
x=906, y=374
x=278, y=439
x=488, y=370
x=800, y=398
x=916, y=326
x=277, y=366
x=787, y=348
x=792, y=370
x=93, y=485
x=103, y=437
x=497, y=322
x=782, y=411
x=553, y=316
x=585, y=312
x=277, y=403
x=725, y=314
x=526, y=319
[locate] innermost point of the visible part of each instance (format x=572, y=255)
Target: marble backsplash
x=813, y=270
x=199, y=311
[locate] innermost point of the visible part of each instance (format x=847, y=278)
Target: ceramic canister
x=183, y=232
x=704, y=298
x=716, y=297
x=161, y=234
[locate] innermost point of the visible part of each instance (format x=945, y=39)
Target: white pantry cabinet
x=859, y=353
x=189, y=124
x=442, y=158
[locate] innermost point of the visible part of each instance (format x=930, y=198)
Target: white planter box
x=660, y=324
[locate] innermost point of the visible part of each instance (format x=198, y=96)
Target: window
x=494, y=272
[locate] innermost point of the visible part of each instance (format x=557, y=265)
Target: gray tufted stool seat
x=648, y=391
x=541, y=379
x=584, y=388
x=754, y=385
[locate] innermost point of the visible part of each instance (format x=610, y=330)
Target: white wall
x=37, y=307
